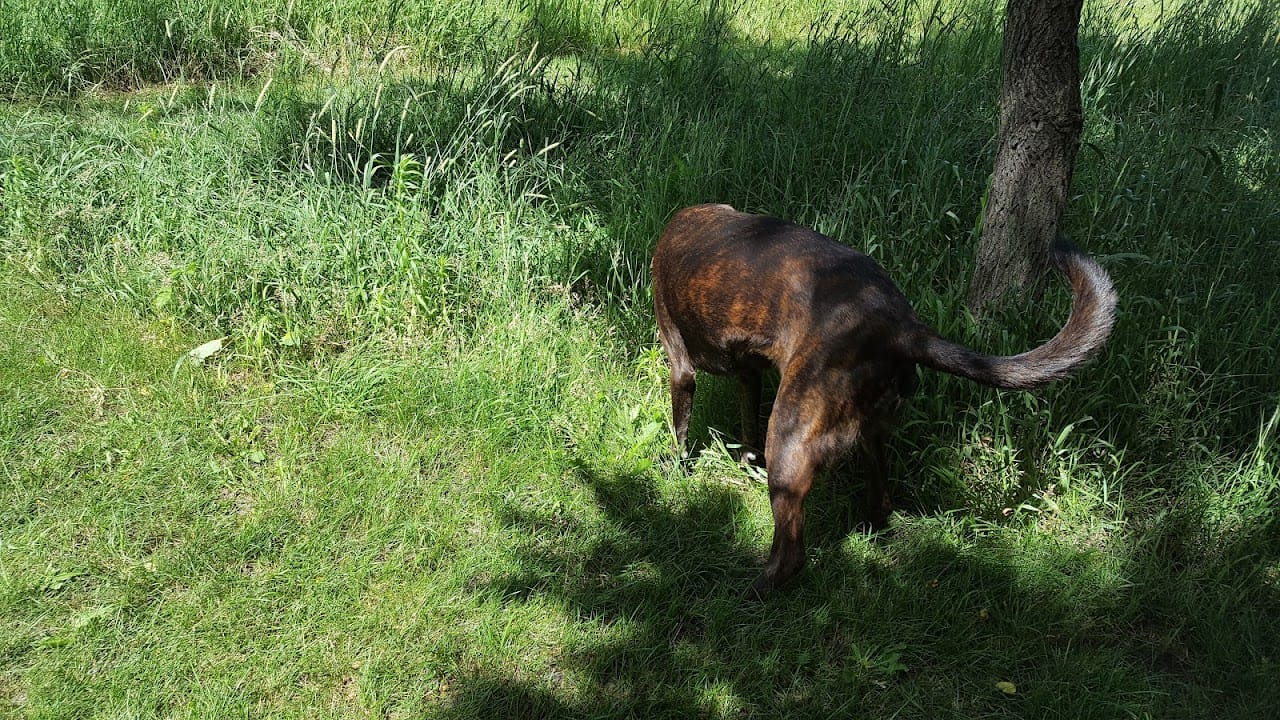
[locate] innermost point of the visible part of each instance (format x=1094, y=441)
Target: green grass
x=427, y=474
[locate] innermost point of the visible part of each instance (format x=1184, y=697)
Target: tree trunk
x=1040, y=122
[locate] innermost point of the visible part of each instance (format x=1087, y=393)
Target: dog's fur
x=735, y=293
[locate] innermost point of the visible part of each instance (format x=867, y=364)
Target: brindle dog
x=736, y=293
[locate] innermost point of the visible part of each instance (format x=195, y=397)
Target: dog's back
x=745, y=289
x=750, y=290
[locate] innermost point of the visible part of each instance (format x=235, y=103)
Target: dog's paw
x=757, y=591
x=749, y=456
x=765, y=586
x=876, y=513
x=877, y=527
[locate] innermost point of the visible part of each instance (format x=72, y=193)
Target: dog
x=736, y=293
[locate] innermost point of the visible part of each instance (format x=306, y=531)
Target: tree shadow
x=873, y=624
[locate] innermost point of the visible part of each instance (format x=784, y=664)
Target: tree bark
x=1039, y=134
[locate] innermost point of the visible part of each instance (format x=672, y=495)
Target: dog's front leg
x=751, y=447
x=683, y=383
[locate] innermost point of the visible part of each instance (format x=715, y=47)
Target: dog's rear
x=736, y=293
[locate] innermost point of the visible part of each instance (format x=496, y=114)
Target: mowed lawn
x=419, y=463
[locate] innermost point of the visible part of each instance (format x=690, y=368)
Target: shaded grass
x=422, y=477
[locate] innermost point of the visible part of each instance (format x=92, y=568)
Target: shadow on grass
x=919, y=623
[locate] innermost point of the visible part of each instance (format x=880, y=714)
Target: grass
x=427, y=473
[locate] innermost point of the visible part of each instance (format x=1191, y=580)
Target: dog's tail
x=1093, y=312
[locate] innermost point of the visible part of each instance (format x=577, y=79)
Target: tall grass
x=423, y=476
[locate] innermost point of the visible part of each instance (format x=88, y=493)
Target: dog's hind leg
x=790, y=478
x=814, y=421
x=876, y=501
x=794, y=451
